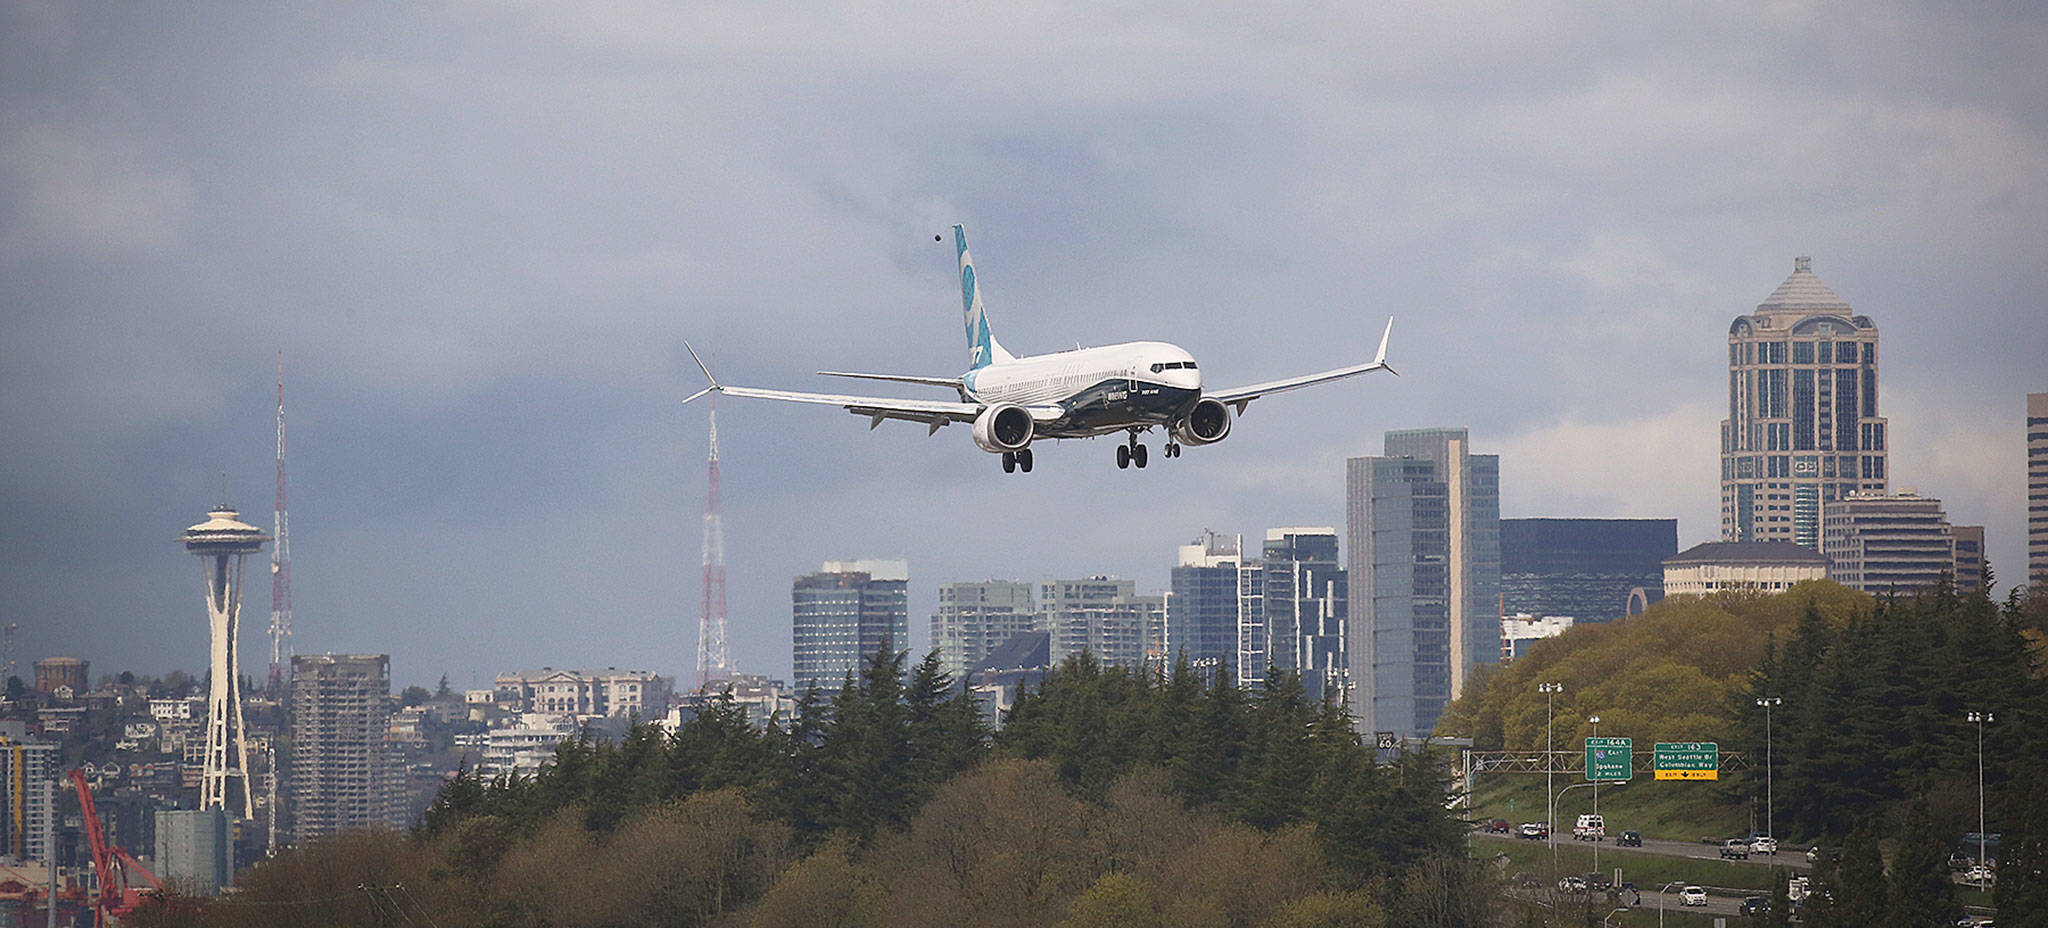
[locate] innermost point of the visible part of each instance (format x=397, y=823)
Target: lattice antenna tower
x=714, y=656
x=280, y=562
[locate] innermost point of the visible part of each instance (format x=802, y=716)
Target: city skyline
x=481, y=235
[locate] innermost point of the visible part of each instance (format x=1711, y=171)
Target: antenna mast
x=280, y=563
x=714, y=658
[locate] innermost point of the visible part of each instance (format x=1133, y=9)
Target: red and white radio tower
x=714, y=658
x=280, y=563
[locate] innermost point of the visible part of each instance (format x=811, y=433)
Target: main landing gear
x=1131, y=453
x=1017, y=460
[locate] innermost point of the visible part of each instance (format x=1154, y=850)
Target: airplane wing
x=933, y=413
x=1239, y=396
x=956, y=384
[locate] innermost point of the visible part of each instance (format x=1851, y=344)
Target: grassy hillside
x=1666, y=675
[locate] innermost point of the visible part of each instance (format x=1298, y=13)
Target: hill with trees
x=1110, y=797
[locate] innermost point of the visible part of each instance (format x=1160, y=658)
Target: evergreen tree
x=1780, y=915
x=2021, y=892
x=1860, y=892
x=1279, y=763
x=864, y=758
x=1922, y=894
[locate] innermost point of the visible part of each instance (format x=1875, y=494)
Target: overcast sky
x=480, y=232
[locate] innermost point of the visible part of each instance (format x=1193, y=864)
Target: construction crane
x=124, y=882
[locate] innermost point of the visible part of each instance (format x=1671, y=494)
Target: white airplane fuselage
x=1100, y=390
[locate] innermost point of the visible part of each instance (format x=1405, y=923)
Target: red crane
x=118, y=870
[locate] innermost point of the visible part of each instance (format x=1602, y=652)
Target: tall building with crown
x=1802, y=426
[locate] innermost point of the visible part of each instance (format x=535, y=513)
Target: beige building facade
x=1803, y=426
x=1761, y=566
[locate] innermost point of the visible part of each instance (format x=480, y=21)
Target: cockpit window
x=1173, y=366
x=1156, y=368
x=1190, y=365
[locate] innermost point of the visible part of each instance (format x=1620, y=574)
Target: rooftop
x=1802, y=293
x=222, y=528
x=1747, y=552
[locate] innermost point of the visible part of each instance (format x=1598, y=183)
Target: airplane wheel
x=1123, y=457
x=1138, y=455
x=1024, y=460
x=1009, y=462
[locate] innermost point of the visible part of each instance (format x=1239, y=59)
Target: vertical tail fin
x=982, y=347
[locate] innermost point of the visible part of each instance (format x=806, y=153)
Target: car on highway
x=1629, y=839
x=1735, y=849
x=1534, y=831
x=1763, y=844
x=1692, y=895
x=1980, y=874
x=1498, y=826
x=1753, y=906
x=1590, y=827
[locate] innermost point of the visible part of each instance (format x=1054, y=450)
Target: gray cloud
x=481, y=232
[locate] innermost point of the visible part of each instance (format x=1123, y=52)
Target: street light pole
x=1983, y=863
x=1549, y=691
x=1770, y=796
x=1598, y=839
x=1661, y=890
x=1553, y=816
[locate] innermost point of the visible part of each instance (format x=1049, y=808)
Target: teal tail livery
x=1010, y=402
x=982, y=347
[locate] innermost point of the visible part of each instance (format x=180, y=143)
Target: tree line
x=1110, y=796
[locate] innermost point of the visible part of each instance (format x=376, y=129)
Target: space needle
x=221, y=542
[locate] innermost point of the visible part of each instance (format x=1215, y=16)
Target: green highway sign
x=1607, y=759
x=1688, y=760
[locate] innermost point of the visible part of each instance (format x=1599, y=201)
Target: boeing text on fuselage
x=1012, y=401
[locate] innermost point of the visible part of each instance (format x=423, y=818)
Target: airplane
x=1013, y=401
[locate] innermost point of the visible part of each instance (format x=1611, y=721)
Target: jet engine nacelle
x=1207, y=423
x=1003, y=427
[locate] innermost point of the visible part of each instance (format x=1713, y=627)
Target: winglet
x=714, y=387
x=1381, y=358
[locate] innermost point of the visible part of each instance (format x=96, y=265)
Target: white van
x=1589, y=828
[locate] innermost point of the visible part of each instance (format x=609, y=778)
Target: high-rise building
x=1254, y=646
x=1203, y=608
x=344, y=773
x=1802, y=426
x=1888, y=543
x=1306, y=600
x=222, y=543
x=1422, y=542
x=1969, y=558
x=2037, y=487
x=193, y=851
x=1584, y=568
x=1102, y=616
x=844, y=614
x=28, y=793
x=974, y=619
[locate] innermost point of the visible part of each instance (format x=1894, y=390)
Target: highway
x=1719, y=901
